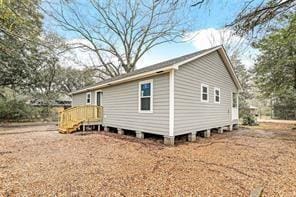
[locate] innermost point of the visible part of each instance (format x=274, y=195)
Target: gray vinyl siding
x=121, y=101
x=121, y=106
x=80, y=99
x=190, y=113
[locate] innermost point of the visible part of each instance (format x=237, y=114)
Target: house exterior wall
x=80, y=99
x=190, y=113
x=121, y=104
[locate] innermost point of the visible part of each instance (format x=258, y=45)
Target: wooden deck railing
x=70, y=119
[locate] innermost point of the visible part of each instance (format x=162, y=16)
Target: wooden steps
x=71, y=119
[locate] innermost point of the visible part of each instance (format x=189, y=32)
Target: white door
x=234, y=106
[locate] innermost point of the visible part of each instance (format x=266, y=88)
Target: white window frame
x=140, y=96
x=216, y=95
x=96, y=102
x=88, y=93
x=201, y=92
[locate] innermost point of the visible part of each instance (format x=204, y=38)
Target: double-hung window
x=88, y=98
x=204, y=93
x=216, y=95
x=146, y=96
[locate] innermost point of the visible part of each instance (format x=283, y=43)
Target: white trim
x=215, y=88
x=126, y=79
x=201, y=92
x=88, y=93
x=140, y=96
x=96, y=99
x=172, y=103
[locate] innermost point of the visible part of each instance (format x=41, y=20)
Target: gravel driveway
x=37, y=160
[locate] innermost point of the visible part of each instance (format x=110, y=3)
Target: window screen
x=88, y=98
x=204, y=94
x=217, y=95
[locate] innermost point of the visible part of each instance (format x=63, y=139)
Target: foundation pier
x=192, y=137
x=230, y=127
x=140, y=134
x=220, y=130
x=169, y=140
x=207, y=133
x=106, y=129
x=120, y=131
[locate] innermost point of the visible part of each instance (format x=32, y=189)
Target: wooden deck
x=72, y=118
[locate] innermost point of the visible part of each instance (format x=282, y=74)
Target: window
x=216, y=95
x=88, y=98
x=145, y=97
x=99, y=95
x=204, y=93
x=234, y=100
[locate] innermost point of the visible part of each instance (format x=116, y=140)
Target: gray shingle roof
x=157, y=66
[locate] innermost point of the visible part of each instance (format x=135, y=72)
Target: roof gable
x=225, y=59
x=165, y=66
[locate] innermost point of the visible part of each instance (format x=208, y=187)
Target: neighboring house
x=62, y=102
x=186, y=95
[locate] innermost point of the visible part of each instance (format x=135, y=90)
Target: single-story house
x=185, y=95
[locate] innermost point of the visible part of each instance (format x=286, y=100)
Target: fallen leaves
x=39, y=161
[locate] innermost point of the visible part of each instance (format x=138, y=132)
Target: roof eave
x=127, y=79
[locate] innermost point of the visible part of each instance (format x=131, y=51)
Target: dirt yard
x=36, y=160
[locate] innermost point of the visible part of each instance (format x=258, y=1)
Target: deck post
x=169, y=140
x=220, y=130
x=99, y=127
x=83, y=127
x=140, y=134
x=192, y=137
x=207, y=133
x=106, y=129
x=120, y=131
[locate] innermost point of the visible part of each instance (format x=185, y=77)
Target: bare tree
x=255, y=18
x=119, y=32
x=234, y=44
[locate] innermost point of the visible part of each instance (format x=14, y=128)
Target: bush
x=249, y=119
x=16, y=110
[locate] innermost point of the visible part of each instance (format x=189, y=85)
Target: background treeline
x=31, y=70
x=30, y=66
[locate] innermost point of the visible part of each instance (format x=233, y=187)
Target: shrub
x=249, y=119
x=16, y=110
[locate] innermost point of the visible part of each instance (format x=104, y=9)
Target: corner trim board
x=172, y=103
